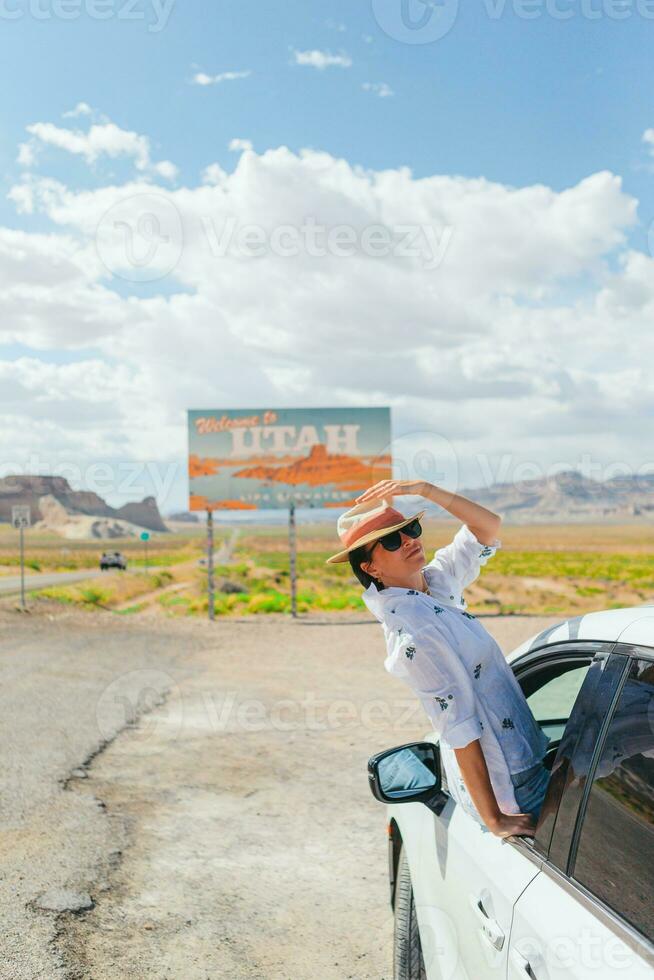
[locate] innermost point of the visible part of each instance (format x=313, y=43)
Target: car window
x=614, y=858
x=575, y=754
x=551, y=704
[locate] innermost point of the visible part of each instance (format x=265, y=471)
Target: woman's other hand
x=392, y=488
x=519, y=824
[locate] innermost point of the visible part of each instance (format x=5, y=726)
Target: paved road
x=10, y=584
x=204, y=787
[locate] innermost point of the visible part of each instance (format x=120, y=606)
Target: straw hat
x=366, y=522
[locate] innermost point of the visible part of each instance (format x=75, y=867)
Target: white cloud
x=648, y=139
x=321, y=59
x=26, y=155
x=201, y=77
x=236, y=145
x=100, y=140
x=515, y=344
x=381, y=89
x=214, y=174
x=166, y=169
x=81, y=109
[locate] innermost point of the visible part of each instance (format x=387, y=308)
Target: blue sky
x=518, y=101
x=514, y=101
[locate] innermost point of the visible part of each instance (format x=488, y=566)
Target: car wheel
x=407, y=951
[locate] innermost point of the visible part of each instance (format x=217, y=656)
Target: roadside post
x=210, y=590
x=145, y=537
x=21, y=517
x=292, y=551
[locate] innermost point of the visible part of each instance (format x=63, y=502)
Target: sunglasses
x=392, y=541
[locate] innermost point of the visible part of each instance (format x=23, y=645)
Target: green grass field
x=562, y=569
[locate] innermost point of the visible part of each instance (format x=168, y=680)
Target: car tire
x=408, y=962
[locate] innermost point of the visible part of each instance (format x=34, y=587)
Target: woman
x=491, y=745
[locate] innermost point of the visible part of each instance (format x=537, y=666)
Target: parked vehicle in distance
x=575, y=900
x=113, y=559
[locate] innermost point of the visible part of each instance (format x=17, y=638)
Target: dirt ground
x=202, y=790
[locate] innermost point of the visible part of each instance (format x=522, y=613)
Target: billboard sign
x=260, y=458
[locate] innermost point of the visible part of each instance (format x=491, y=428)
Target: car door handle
x=521, y=964
x=490, y=927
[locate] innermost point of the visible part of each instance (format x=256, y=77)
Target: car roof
x=605, y=625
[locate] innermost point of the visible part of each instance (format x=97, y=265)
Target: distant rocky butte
x=566, y=497
x=57, y=519
x=53, y=501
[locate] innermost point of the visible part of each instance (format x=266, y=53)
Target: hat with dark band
x=367, y=522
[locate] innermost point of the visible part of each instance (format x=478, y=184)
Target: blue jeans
x=530, y=787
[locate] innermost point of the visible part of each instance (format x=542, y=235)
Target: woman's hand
x=520, y=824
x=392, y=488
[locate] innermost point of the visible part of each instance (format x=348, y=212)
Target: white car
x=575, y=901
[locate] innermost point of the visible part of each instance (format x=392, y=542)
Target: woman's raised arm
x=483, y=523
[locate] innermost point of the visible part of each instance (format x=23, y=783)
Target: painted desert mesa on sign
x=244, y=460
x=198, y=502
x=319, y=467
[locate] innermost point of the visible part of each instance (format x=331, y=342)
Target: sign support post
x=22, y=566
x=292, y=551
x=210, y=589
x=21, y=517
x=145, y=537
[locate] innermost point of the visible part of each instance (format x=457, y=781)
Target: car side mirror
x=408, y=773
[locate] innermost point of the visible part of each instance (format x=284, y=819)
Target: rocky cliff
x=30, y=489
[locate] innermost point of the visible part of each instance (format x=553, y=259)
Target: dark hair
x=356, y=556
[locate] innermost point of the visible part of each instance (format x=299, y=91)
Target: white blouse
x=458, y=671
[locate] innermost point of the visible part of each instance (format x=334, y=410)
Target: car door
x=467, y=882
x=588, y=912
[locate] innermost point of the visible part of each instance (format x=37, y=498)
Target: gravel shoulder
x=190, y=800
